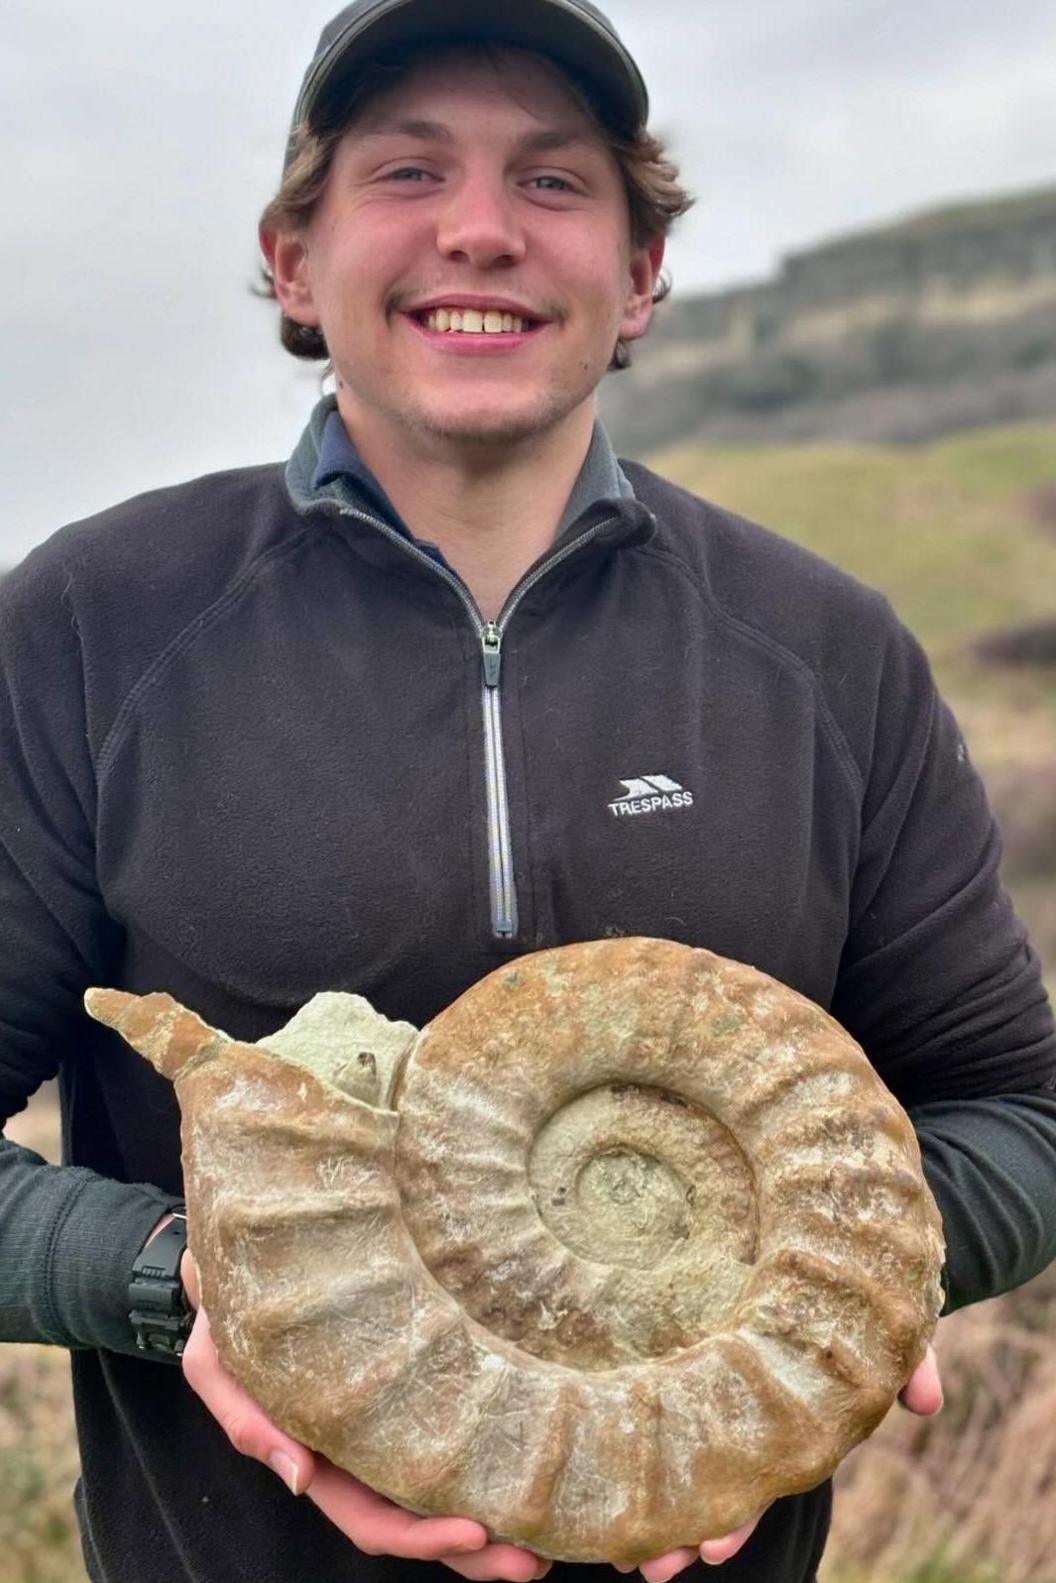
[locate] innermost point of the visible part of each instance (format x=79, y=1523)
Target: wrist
x=165, y=1220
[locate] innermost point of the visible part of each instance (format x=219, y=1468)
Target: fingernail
x=287, y=1470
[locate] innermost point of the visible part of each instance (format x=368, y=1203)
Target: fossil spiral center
x=591, y=1227
x=627, y=1175
x=623, y=1208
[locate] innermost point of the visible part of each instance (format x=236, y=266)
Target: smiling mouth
x=472, y=321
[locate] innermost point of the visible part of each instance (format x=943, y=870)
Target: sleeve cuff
x=90, y=1265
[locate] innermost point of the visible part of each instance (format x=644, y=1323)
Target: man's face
x=413, y=217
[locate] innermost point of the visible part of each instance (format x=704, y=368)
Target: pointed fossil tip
x=158, y=1027
x=107, y=1005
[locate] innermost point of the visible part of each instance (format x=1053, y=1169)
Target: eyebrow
x=436, y=132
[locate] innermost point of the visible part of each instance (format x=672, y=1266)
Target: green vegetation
x=944, y=530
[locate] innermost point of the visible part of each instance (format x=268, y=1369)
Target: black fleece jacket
x=256, y=745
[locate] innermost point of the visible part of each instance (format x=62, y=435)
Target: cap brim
x=559, y=29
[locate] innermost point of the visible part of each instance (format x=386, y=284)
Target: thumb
x=189, y=1278
x=245, y=1424
x=922, y=1393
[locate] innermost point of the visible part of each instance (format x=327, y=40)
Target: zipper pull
x=491, y=643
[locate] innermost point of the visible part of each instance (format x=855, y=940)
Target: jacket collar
x=325, y=470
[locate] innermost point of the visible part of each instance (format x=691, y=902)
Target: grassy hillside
x=946, y=531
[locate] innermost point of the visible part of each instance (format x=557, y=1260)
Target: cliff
x=939, y=321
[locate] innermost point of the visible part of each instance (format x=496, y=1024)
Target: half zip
x=500, y=848
x=490, y=634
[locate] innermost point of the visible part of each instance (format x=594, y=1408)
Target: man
x=371, y=723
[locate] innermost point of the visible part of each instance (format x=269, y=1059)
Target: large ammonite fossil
x=625, y=1244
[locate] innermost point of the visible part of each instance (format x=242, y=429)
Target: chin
x=488, y=432
x=487, y=426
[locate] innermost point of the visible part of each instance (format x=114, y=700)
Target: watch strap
x=159, y=1313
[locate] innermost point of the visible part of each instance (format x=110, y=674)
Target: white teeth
x=470, y=321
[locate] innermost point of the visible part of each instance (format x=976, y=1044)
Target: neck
x=492, y=510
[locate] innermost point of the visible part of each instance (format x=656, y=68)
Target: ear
x=287, y=259
x=646, y=263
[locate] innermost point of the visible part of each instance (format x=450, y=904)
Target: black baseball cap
x=572, y=32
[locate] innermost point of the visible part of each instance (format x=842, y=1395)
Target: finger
x=189, y=1278
x=246, y=1425
x=922, y=1393
x=668, y=1566
x=378, y=1527
x=499, y=1561
x=716, y=1551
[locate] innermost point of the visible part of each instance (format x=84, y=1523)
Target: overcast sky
x=139, y=143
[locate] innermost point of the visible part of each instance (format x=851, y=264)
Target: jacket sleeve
x=67, y=1235
x=941, y=987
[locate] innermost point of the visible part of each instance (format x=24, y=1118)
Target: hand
x=712, y=1551
x=375, y=1525
x=921, y=1394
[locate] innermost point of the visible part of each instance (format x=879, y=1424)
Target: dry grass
x=37, y=1127
x=38, y=1467
x=969, y=1494
x=38, y=1451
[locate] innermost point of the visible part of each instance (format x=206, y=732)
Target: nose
x=479, y=224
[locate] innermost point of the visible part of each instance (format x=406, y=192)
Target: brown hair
x=655, y=198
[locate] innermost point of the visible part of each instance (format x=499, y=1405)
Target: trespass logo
x=650, y=794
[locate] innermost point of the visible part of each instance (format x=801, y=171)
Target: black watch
x=160, y=1313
